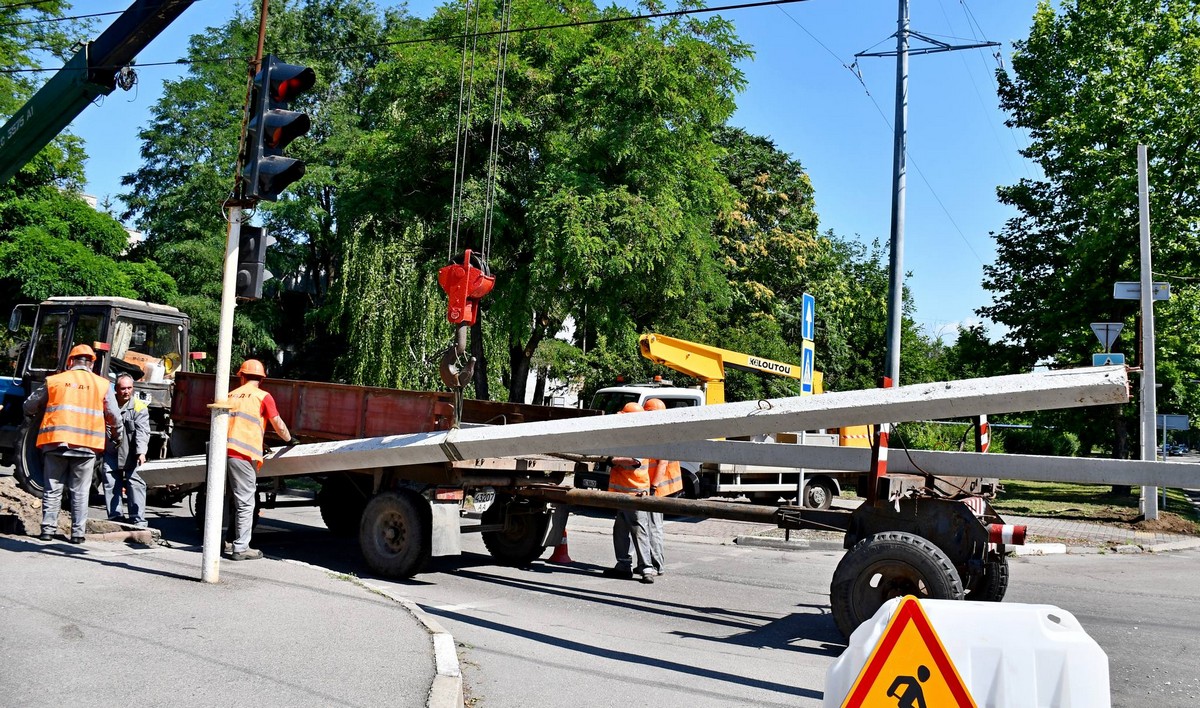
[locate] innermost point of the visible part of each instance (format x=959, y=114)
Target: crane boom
x=707, y=364
x=88, y=74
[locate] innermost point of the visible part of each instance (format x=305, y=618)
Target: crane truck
x=815, y=488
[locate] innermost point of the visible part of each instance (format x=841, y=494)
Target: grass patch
x=1086, y=502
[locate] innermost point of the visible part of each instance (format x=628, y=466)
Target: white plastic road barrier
x=1008, y=655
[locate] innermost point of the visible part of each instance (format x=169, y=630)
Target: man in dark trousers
x=125, y=455
x=250, y=409
x=79, y=414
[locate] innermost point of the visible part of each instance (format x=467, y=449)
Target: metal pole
x=219, y=432
x=1149, y=502
x=896, y=264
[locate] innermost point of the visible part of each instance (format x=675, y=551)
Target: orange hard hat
x=631, y=407
x=252, y=367
x=82, y=350
x=655, y=404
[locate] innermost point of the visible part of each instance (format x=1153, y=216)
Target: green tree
x=1092, y=80
x=189, y=152
x=605, y=186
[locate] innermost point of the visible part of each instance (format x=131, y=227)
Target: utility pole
x=899, y=174
x=218, y=437
x=1149, y=395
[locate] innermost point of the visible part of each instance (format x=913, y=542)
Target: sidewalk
x=111, y=624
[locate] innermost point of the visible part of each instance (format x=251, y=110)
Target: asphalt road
x=729, y=625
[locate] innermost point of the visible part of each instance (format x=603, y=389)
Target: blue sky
x=802, y=96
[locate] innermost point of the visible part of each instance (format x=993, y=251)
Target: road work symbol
x=909, y=667
x=907, y=689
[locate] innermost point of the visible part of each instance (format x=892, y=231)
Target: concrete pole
x=218, y=435
x=899, y=174
x=1149, y=502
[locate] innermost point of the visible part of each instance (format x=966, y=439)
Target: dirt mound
x=1168, y=523
x=21, y=512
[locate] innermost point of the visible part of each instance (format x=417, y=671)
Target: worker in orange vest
x=250, y=408
x=666, y=480
x=79, y=415
x=629, y=475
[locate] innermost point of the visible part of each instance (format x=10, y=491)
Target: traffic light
x=252, y=262
x=266, y=172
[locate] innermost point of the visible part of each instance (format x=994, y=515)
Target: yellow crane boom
x=708, y=364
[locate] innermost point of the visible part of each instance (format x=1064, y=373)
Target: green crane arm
x=90, y=73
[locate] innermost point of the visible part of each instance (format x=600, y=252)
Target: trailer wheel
x=394, y=535
x=994, y=583
x=525, y=525
x=819, y=494
x=342, y=501
x=887, y=565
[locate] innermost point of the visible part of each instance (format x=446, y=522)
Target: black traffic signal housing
x=252, y=262
x=266, y=172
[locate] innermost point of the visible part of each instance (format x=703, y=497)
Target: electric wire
x=60, y=19
x=444, y=38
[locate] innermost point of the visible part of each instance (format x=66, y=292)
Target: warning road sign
x=909, y=667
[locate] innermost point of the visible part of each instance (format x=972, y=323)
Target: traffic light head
x=252, y=261
x=271, y=127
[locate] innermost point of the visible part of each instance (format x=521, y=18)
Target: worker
x=79, y=413
x=666, y=480
x=126, y=455
x=250, y=408
x=628, y=475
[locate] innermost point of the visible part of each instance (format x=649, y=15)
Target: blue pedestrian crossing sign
x=1108, y=359
x=806, y=367
x=808, y=316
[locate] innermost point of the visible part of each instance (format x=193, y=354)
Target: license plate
x=483, y=498
x=589, y=483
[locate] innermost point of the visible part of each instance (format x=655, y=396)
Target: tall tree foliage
x=606, y=182
x=51, y=241
x=189, y=151
x=1092, y=81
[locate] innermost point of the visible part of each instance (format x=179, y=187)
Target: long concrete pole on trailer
x=1082, y=470
x=1149, y=397
x=1002, y=394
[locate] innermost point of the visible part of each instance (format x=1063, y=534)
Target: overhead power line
x=60, y=19
x=456, y=37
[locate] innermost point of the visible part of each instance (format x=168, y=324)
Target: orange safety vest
x=665, y=477
x=246, y=424
x=74, y=410
x=629, y=480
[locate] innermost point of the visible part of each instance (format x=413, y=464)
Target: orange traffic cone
x=560, y=552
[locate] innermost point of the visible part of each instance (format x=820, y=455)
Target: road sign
x=1133, y=291
x=1108, y=359
x=1172, y=422
x=807, y=354
x=808, y=316
x=909, y=666
x=1107, y=333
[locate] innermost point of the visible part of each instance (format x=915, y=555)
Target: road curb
x=1040, y=549
x=447, y=688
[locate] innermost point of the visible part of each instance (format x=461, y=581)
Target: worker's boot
x=247, y=555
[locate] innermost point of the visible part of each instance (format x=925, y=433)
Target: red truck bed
x=323, y=411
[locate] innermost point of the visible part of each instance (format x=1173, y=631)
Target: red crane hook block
x=465, y=284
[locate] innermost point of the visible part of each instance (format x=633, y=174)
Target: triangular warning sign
x=909, y=667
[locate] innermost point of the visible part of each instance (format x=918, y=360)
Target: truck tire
x=525, y=526
x=992, y=586
x=395, y=532
x=819, y=494
x=886, y=565
x=28, y=469
x=342, y=501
